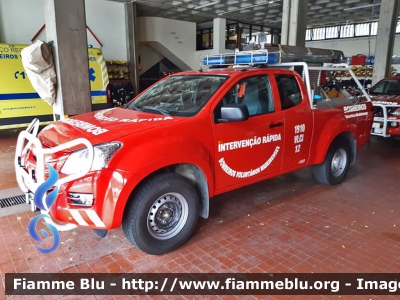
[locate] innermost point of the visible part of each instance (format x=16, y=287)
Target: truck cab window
x=289, y=91
x=254, y=92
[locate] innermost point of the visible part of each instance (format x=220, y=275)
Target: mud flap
x=100, y=233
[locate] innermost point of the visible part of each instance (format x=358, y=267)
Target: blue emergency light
x=240, y=58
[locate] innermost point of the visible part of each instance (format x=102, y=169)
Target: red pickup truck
x=385, y=96
x=153, y=165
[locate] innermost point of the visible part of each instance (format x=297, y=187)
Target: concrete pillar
x=285, y=22
x=131, y=43
x=66, y=27
x=294, y=22
x=389, y=10
x=219, y=35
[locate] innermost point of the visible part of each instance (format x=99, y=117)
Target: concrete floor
x=286, y=224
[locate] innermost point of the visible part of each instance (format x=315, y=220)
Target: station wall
x=20, y=20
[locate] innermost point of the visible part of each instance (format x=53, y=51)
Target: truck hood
x=103, y=126
x=386, y=98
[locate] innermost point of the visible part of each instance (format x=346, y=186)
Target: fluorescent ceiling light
x=245, y=7
x=207, y=4
x=362, y=6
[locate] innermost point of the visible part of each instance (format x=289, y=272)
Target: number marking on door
x=299, y=136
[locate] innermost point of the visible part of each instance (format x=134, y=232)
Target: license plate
x=376, y=125
x=378, y=130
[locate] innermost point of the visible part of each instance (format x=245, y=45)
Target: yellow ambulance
x=19, y=102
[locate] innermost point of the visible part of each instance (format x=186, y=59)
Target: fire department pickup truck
x=153, y=165
x=385, y=96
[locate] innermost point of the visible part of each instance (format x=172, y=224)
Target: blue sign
x=42, y=204
x=91, y=74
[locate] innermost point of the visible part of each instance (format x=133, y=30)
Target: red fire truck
x=385, y=96
x=154, y=164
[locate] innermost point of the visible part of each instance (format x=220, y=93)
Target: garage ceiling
x=261, y=12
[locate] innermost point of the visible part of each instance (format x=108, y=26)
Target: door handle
x=275, y=125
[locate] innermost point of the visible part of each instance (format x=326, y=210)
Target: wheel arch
x=346, y=137
x=188, y=170
x=323, y=172
x=195, y=175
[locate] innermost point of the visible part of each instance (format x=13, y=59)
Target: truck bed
x=334, y=102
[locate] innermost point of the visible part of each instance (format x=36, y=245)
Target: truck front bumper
x=385, y=125
x=30, y=177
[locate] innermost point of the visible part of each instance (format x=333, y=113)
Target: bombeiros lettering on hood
x=100, y=116
x=252, y=142
x=96, y=130
x=93, y=129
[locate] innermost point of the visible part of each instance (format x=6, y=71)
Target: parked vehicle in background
x=385, y=96
x=19, y=102
x=153, y=165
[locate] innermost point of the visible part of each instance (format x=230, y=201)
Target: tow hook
x=100, y=233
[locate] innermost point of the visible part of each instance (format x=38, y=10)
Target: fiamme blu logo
x=45, y=204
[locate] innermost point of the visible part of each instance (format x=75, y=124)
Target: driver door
x=250, y=149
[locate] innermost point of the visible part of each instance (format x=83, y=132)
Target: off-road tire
x=158, y=197
x=326, y=173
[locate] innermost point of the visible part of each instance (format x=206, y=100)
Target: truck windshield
x=386, y=87
x=178, y=95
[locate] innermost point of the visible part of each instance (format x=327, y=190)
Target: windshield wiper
x=156, y=109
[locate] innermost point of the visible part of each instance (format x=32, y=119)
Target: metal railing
x=376, y=125
x=30, y=178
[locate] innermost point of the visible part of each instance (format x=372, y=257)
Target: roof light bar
x=272, y=55
x=239, y=58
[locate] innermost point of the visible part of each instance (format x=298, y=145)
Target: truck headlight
x=78, y=160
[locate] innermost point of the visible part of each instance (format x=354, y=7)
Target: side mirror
x=234, y=113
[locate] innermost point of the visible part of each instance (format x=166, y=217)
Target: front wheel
x=335, y=166
x=162, y=215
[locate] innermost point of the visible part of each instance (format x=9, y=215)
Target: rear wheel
x=162, y=215
x=335, y=166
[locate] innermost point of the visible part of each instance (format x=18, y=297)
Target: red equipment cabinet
x=358, y=59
